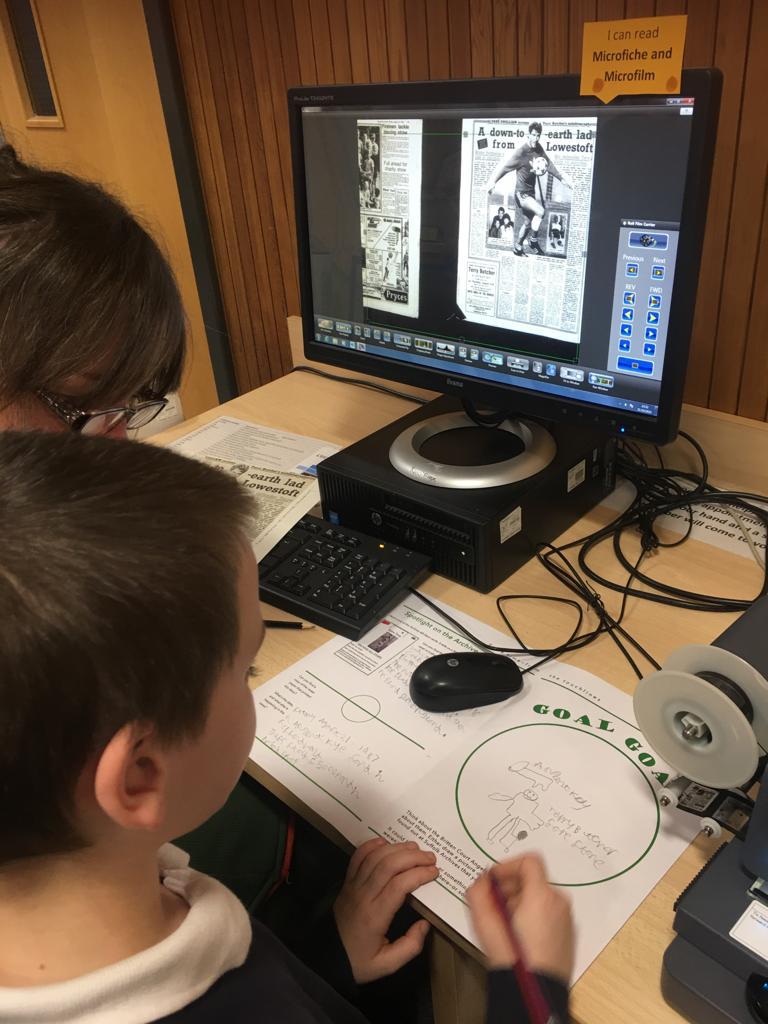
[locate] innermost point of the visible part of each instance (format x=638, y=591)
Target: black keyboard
x=338, y=578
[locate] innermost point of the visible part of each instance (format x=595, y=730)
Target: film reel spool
x=700, y=730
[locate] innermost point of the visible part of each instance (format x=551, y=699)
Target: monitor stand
x=472, y=449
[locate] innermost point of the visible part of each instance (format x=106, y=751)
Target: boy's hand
x=540, y=914
x=379, y=878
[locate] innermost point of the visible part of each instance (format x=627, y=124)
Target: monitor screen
x=507, y=241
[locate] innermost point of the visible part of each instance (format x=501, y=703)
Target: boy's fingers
x=398, y=953
x=520, y=874
x=393, y=895
x=362, y=853
x=532, y=870
x=394, y=865
x=383, y=855
x=375, y=853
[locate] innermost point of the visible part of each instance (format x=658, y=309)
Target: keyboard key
x=337, y=578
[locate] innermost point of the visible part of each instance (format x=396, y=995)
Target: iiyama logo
x=456, y=383
x=318, y=98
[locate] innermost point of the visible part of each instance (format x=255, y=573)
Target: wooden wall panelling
x=754, y=396
x=459, y=43
x=193, y=53
x=555, y=37
x=286, y=49
x=417, y=42
x=248, y=240
x=263, y=38
x=321, y=41
x=378, y=50
x=580, y=11
x=337, y=21
x=358, y=41
x=266, y=290
x=481, y=38
x=397, y=35
x=607, y=9
x=281, y=63
x=640, y=8
x=305, y=44
x=750, y=163
x=437, y=39
x=700, y=33
x=505, y=37
x=244, y=235
x=529, y=37
x=700, y=37
x=729, y=56
x=672, y=7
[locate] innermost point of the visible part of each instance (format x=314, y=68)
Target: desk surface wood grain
x=623, y=983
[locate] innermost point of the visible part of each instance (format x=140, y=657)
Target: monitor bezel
x=704, y=85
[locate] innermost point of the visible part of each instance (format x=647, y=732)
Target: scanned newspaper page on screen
x=525, y=202
x=389, y=159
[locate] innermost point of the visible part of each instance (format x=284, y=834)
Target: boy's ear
x=130, y=777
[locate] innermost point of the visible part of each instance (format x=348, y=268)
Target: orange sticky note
x=636, y=55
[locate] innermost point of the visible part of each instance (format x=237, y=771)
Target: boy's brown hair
x=83, y=287
x=119, y=569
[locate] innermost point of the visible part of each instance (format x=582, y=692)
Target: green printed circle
x=619, y=806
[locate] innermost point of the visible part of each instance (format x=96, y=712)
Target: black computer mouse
x=454, y=682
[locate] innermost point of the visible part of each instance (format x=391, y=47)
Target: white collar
x=213, y=938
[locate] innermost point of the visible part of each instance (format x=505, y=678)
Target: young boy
x=129, y=619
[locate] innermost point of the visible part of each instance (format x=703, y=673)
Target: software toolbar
x=562, y=379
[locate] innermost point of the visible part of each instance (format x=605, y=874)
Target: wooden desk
x=623, y=983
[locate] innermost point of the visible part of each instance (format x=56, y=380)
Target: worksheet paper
x=560, y=769
x=278, y=468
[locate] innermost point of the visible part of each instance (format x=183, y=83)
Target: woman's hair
x=83, y=289
x=506, y=221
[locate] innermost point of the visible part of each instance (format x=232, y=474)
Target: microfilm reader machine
x=706, y=714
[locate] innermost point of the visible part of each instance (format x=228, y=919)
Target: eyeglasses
x=102, y=421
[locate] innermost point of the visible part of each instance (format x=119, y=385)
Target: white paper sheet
x=273, y=464
x=561, y=769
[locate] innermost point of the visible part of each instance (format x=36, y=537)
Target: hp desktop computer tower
x=476, y=537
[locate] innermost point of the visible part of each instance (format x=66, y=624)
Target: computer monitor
x=507, y=241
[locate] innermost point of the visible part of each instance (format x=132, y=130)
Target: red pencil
x=538, y=1010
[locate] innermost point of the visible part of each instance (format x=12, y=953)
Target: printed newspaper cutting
x=389, y=161
x=278, y=494
x=278, y=467
x=525, y=200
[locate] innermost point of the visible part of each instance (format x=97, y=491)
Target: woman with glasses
x=92, y=337
x=92, y=330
